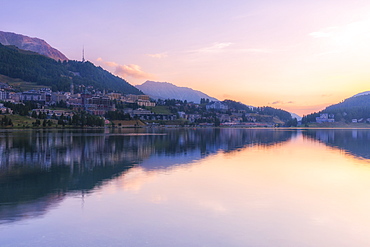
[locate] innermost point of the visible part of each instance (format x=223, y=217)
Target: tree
x=36, y=123
x=217, y=122
x=291, y=123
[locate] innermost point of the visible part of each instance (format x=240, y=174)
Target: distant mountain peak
x=166, y=90
x=299, y=118
x=31, y=44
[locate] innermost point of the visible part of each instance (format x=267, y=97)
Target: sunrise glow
x=296, y=55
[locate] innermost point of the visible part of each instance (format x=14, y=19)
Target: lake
x=185, y=187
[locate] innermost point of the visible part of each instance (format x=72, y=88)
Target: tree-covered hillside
x=237, y=106
x=352, y=108
x=265, y=110
x=281, y=114
x=32, y=67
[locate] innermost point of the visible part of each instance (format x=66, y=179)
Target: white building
x=218, y=105
x=4, y=95
x=325, y=118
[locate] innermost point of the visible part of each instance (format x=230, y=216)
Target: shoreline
x=186, y=127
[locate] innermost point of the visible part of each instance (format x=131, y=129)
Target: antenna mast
x=83, y=54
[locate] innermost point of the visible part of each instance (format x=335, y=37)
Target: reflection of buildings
x=44, y=149
x=37, y=168
x=356, y=141
x=325, y=136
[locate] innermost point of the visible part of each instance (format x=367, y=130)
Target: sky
x=295, y=55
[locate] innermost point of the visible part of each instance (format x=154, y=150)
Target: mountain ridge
x=361, y=94
x=42, y=70
x=355, y=107
x=166, y=90
x=31, y=44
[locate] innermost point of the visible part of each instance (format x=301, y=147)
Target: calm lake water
x=203, y=187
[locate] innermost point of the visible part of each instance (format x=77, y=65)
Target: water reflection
x=354, y=141
x=39, y=168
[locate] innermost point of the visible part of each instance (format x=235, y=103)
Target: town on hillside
x=98, y=108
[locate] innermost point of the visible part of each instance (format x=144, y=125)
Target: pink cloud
x=158, y=55
x=131, y=70
x=214, y=48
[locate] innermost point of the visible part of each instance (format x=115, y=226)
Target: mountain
x=165, y=90
x=31, y=44
x=299, y=118
x=32, y=67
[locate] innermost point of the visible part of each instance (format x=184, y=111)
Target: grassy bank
x=337, y=125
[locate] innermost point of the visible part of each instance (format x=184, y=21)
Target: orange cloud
x=281, y=102
x=131, y=70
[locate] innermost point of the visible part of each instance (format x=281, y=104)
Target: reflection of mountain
x=38, y=168
x=28, y=209
x=355, y=141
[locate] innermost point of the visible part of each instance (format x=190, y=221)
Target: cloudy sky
x=296, y=55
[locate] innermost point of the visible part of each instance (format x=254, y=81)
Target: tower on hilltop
x=83, y=54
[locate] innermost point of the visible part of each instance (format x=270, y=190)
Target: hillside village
x=117, y=109
x=39, y=83
x=39, y=89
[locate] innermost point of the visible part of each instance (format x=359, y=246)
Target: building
x=57, y=97
x=181, y=114
x=133, y=98
x=98, y=105
x=192, y=117
x=33, y=95
x=41, y=96
x=4, y=94
x=141, y=111
x=14, y=97
x=4, y=109
x=50, y=112
x=114, y=96
x=75, y=102
x=325, y=118
x=5, y=86
x=147, y=103
x=218, y=105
